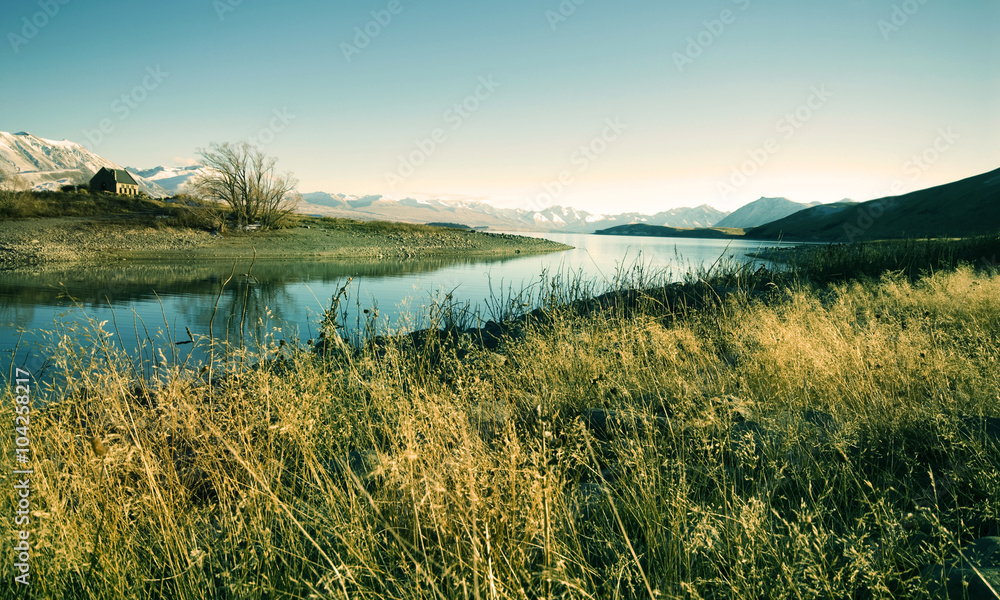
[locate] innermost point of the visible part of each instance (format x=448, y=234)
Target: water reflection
x=131, y=282
x=153, y=304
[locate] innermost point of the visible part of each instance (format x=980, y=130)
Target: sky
x=630, y=105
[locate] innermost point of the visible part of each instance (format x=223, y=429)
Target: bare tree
x=244, y=178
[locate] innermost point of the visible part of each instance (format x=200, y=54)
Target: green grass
x=743, y=435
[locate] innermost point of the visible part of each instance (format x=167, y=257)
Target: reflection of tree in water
x=248, y=311
x=187, y=293
x=265, y=293
x=259, y=298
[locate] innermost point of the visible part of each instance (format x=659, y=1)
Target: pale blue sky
x=226, y=69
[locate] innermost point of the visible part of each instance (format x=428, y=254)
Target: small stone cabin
x=116, y=181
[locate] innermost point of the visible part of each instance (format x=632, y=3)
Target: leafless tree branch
x=244, y=178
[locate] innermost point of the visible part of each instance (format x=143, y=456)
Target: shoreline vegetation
x=829, y=430
x=55, y=229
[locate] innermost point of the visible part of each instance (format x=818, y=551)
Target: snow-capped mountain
x=763, y=211
x=169, y=178
x=48, y=164
x=480, y=214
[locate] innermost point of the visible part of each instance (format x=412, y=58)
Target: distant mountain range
x=960, y=209
x=480, y=214
x=48, y=165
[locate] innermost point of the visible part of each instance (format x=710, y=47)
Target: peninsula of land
x=165, y=234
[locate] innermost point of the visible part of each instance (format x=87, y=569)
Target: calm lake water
x=147, y=308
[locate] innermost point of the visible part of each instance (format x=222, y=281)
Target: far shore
x=67, y=240
x=644, y=230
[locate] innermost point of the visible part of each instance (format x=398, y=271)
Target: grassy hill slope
x=964, y=208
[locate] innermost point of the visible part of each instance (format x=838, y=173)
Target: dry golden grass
x=817, y=442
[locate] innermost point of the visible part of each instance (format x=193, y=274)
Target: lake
x=147, y=308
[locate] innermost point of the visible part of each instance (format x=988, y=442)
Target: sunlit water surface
x=145, y=310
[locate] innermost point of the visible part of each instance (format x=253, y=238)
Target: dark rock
x=604, y=423
x=822, y=420
x=353, y=464
x=143, y=396
x=196, y=481
x=974, y=576
x=587, y=500
x=597, y=421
